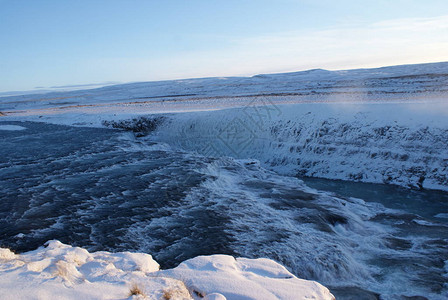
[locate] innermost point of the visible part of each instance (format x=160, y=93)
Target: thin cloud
x=415, y=40
x=384, y=43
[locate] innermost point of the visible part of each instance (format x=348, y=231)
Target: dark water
x=425, y=203
x=107, y=190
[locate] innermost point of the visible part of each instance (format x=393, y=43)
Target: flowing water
x=105, y=189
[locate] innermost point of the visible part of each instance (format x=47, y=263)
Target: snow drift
x=64, y=272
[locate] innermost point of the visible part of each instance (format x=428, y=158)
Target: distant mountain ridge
x=307, y=75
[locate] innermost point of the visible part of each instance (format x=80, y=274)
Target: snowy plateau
x=247, y=139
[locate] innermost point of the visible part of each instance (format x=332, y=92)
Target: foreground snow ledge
x=64, y=272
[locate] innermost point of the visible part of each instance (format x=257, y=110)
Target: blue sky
x=55, y=42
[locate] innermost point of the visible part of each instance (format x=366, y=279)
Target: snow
x=386, y=80
x=384, y=125
x=409, y=82
x=244, y=278
x=394, y=143
x=394, y=119
x=74, y=273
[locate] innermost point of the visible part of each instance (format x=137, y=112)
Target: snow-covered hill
x=396, y=82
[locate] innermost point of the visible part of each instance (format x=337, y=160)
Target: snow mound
x=65, y=272
x=243, y=278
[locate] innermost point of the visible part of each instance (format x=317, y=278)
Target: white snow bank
x=11, y=127
x=244, y=278
x=64, y=272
